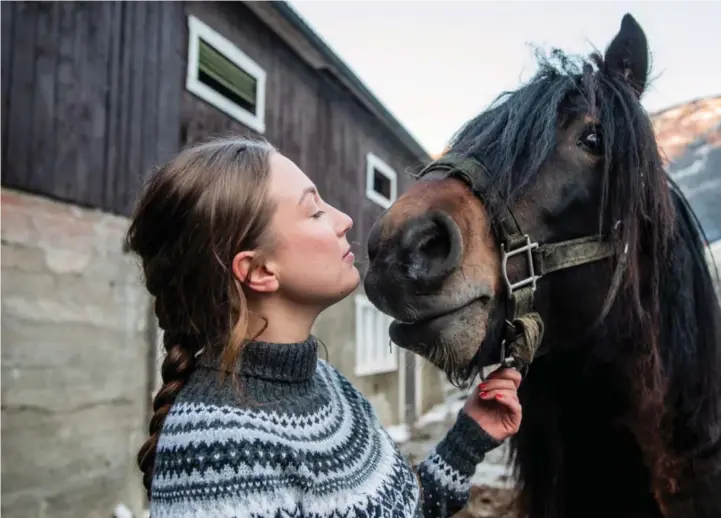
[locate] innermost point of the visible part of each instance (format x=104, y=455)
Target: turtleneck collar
x=290, y=362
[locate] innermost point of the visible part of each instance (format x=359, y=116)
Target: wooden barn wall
x=316, y=123
x=90, y=97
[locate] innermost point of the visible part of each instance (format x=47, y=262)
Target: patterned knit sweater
x=293, y=438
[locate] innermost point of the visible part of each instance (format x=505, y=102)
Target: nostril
x=436, y=245
x=432, y=245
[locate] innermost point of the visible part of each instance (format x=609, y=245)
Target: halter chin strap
x=523, y=327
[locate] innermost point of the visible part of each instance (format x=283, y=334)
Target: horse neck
x=585, y=403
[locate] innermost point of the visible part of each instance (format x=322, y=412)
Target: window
x=381, y=181
x=374, y=352
x=223, y=75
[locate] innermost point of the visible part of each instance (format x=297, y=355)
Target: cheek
x=310, y=242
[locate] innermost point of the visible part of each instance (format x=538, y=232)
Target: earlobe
x=627, y=55
x=254, y=274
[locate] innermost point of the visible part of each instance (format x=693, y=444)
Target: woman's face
x=310, y=253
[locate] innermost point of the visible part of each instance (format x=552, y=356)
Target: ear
x=259, y=277
x=627, y=55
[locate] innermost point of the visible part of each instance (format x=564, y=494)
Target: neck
x=282, y=321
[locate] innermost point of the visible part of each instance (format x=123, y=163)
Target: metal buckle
x=508, y=360
x=528, y=248
x=511, y=361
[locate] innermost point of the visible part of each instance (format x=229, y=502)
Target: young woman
x=241, y=255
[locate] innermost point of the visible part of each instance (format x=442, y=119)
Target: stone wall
x=75, y=359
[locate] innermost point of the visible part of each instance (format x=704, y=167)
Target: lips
x=430, y=323
x=439, y=314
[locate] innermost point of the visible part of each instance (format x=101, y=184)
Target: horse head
x=547, y=155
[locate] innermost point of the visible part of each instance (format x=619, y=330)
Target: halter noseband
x=523, y=327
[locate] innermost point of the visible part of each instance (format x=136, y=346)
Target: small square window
x=381, y=181
x=224, y=76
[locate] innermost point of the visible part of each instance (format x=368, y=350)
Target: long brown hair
x=193, y=215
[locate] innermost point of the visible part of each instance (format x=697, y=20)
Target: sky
x=436, y=64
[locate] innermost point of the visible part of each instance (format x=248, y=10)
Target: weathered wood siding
x=90, y=97
x=315, y=122
x=93, y=95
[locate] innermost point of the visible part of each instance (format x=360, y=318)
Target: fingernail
x=499, y=396
x=482, y=386
x=484, y=394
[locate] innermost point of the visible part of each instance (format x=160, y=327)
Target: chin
x=347, y=284
x=453, y=342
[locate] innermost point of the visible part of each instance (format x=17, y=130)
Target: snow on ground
x=400, y=433
x=122, y=511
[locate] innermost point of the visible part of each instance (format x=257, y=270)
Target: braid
x=177, y=366
x=193, y=215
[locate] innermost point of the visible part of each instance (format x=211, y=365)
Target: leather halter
x=523, y=326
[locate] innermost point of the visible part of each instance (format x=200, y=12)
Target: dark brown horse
x=550, y=220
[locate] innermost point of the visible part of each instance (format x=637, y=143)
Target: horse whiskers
x=449, y=361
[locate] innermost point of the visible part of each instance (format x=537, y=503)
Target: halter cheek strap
x=523, y=327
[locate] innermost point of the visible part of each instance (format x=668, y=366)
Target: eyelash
x=318, y=214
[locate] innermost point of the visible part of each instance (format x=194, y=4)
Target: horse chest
x=592, y=465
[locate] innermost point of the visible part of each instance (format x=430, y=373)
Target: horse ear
x=627, y=55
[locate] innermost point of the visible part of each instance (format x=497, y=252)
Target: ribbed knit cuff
x=465, y=445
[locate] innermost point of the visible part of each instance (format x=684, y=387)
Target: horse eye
x=591, y=141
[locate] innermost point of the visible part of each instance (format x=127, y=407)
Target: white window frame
x=372, y=352
x=196, y=30
x=374, y=163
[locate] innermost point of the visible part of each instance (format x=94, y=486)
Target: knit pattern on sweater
x=307, y=446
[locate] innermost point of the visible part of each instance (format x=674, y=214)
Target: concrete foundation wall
x=431, y=386
x=74, y=362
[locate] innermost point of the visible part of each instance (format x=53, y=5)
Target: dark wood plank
x=150, y=93
x=67, y=120
x=134, y=140
x=7, y=11
x=113, y=131
x=78, y=189
x=95, y=97
x=42, y=145
x=117, y=192
x=171, y=77
x=19, y=130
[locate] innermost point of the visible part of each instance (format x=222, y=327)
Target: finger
x=499, y=394
x=497, y=383
x=511, y=404
x=506, y=373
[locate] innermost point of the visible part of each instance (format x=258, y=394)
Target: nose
x=345, y=223
x=432, y=247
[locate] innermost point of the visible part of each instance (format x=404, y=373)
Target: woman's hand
x=495, y=406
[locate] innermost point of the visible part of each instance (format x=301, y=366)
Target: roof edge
x=354, y=83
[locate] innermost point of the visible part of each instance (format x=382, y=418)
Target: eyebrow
x=307, y=191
